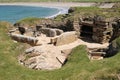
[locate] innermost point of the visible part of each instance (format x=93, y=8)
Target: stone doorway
x=86, y=31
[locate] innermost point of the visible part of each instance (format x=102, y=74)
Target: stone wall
x=102, y=32
x=51, y=32
x=102, y=28
x=116, y=28
x=66, y=38
x=25, y=39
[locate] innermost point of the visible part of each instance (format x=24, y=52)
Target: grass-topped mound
x=117, y=41
x=78, y=67
x=30, y=21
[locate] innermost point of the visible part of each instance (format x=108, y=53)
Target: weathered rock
x=24, y=39
x=66, y=38
x=98, y=28
x=58, y=31
x=66, y=52
x=116, y=5
x=29, y=50
x=45, y=57
x=96, y=53
x=31, y=62
x=48, y=31
x=22, y=30
x=51, y=32
x=113, y=48
x=76, y=26
x=71, y=10
x=53, y=40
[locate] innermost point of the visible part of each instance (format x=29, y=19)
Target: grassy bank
x=78, y=67
x=59, y=0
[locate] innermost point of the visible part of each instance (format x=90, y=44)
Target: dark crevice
x=86, y=31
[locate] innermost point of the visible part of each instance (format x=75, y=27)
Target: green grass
x=91, y=11
x=31, y=21
x=60, y=0
x=79, y=11
x=78, y=67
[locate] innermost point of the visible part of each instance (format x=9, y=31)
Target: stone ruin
x=47, y=51
x=98, y=29
x=51, y=46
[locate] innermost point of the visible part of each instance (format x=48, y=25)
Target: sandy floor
x=81, y=42
x=46, y=40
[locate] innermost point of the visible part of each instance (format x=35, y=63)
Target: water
x=15, y=13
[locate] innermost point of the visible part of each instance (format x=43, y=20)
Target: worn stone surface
x=66, y=38
x=58, y=32
x=96, y=53
x=46, y=57
x=66, y=52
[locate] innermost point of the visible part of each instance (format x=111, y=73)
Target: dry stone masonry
x=52, y=42
x=97, y=28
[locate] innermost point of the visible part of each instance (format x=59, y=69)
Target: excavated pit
x=50, y=49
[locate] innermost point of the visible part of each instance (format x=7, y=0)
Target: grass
x=91, y=11
x=31, y=21
x=79, y=11
x=78, y=67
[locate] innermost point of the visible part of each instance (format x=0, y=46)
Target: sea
x=13, y=13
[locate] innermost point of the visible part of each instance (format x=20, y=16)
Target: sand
x=59, y=4
x=51, y=4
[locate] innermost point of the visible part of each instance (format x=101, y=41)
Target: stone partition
x=66, y=38
x=51, y=32
x=25, y=39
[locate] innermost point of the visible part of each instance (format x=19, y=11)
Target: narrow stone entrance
x=86, y=31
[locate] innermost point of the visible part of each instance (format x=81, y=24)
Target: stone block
x=66, y=38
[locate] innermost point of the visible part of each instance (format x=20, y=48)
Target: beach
x=61, y=6
x=51, y=4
